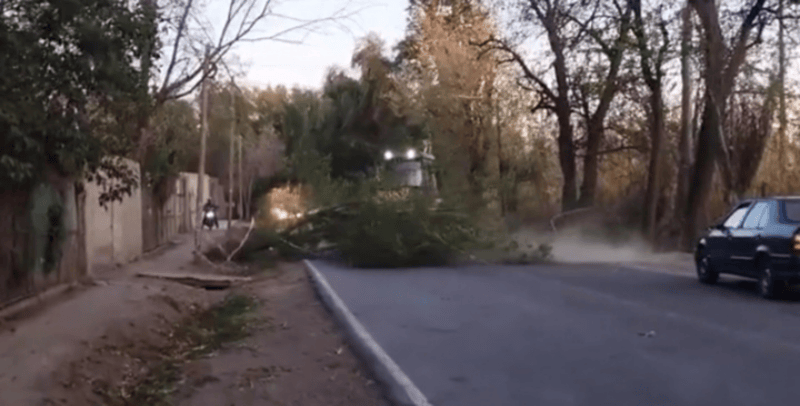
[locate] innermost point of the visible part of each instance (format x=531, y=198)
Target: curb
x=11, y=309
x=401, y=390
x=22, y=305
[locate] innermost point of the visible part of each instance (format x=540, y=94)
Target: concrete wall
x=114, y=232
x=25, y=238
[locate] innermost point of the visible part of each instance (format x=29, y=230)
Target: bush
x=403, y=233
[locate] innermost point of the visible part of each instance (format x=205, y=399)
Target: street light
x=388, y=155
x=411, y=153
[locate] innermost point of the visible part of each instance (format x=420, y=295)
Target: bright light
x=280, y=213
x=388, y=155
x=411, y=153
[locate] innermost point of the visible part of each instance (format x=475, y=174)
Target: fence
x=93, y=236
x=15, y=234
x=29, y=262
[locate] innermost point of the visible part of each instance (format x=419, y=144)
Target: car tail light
x=796, y=244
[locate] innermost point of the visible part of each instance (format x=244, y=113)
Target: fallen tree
x=368, y=233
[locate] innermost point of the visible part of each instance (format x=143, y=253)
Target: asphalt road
x=576, y=335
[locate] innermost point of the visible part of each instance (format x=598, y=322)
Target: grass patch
x=199, y=335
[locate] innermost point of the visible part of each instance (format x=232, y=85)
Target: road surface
x=578, y=335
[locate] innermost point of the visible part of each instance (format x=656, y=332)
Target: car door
x=745, y=240
x=719, y=239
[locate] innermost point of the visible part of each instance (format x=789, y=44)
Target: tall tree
x=553, y=17
x=574, y=30
x=457, y=86
x=652, y=63
x=722, y=65
x=686, y=133
x=613, y=48
x=68, y=78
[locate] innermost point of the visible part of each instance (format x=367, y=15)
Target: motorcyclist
x=210, y=206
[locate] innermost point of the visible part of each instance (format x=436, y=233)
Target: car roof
x=769, y=198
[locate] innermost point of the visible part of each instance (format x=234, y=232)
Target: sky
x=278, y=63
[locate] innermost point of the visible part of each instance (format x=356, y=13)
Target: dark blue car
x=759, y=239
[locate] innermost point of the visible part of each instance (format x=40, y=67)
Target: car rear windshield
x=792, y=209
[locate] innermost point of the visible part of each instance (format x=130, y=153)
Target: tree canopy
x=69, y=70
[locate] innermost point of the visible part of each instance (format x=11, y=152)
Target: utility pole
x=782, y=84
x=202, y=166
x=241, y=180
x=232, y=142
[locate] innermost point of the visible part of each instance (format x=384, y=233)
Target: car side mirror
x=720, y=227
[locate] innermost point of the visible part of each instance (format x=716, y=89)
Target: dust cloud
x=577, y=245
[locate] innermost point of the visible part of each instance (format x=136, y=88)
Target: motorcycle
x=210, y=219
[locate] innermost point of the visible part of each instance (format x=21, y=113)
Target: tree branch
x=592, y=32
x=179, y=35
x=244, y=240
x=249, y=14
x=496, y=44
x=739, y=50
x=616, y=149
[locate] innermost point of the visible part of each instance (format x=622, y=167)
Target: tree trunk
x=501, y=162
x=591, y=162
x=686, y=134
x=703, y=173
x=782, y=84
x=654, y=171
x=722, y=67
x=566, y=158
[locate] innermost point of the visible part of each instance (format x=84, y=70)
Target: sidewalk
x=33, y=344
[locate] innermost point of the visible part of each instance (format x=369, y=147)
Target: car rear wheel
x=705, y=273
x=767, y=285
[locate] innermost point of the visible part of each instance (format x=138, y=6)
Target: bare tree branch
x=241, y=23
x=244, y=240
x=740, y=47
x=175, y=48
x=616, y=149
x=516, y=57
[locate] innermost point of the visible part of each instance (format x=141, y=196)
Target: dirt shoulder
x=295, y=355
x=36, y=343
x=121, y=339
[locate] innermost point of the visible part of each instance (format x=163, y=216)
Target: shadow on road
x=746, y=287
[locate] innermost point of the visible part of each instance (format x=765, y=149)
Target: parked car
x=759, y=239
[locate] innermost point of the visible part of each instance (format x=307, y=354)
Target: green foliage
x=344, y=129
x=404, y=233
x=116, y=176
x=177, y=133
x=68, y=65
